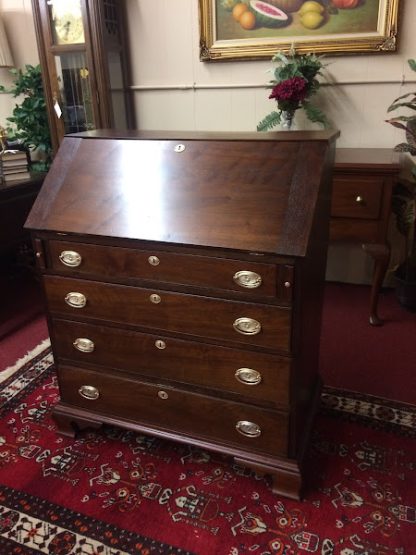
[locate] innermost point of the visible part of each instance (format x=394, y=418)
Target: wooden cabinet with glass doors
x=84, y=65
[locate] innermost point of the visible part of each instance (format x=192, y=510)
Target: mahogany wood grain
x=187, y=362
x=175, y=312
x=185, y=412
x=203, y=271
x=201, y=196
x=225, y=203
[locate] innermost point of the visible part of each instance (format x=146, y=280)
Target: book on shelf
x=12, y=178
x=14, y=163
x=14, y=166
x=9, y=155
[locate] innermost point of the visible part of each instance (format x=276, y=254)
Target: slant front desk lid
x=229, y=191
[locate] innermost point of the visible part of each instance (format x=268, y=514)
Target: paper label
x=57, y=109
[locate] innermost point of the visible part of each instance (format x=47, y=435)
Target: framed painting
x=255, y=29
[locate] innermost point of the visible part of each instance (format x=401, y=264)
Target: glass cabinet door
x=83, y=52
x=75, y=96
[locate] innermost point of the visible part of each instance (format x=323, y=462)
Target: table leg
x=381, y=255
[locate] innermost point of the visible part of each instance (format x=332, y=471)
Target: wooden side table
x=361, y=204
x=16, y=201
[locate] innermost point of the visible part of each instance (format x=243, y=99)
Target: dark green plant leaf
x=314, y=114
x=404, y=147
x=270, y=121
x=29, y=121
x=412, y=64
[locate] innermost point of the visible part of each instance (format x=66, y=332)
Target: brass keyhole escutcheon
x=179, y=148
x=160, y=344
x=155, y=299
x=153, y=260
x=162, y=395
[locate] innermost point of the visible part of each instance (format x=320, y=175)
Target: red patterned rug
x=116, y=492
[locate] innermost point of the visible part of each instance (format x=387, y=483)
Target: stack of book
x=13, y=166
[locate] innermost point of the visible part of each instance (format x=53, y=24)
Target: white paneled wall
x=173, y=89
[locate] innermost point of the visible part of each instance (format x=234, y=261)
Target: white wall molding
x=225, y=86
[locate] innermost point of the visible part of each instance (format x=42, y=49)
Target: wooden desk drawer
x=203, y=317
x=184, y=269
x=356, y=198
x=188, y=362
x=172, y=409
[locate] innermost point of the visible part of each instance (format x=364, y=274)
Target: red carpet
x=117, y=492
x=380, y=361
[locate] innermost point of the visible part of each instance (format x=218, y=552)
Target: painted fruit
x=312, y=20
x=345, y=4
x=248, y=20
x=268, y=15
x=311, y=6
x=286, y=5
x=238, y=10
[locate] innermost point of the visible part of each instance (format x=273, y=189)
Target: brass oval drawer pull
x=359, y=199
x=162, y=395
x=84, y=345
x=160, y=344
x=248, y=429
x=155, y=299
x=70, y=258
x=153, y=261
x=248, y=376
x=76, y=300
x=89, y=392
x=247, y=326
x=249, y=280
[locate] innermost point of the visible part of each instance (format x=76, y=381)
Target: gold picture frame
x=222, y=37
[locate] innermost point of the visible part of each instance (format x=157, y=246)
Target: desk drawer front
x=251, y=278
x=356, y=198
x=188, y=362
x=173, y=409
x=266, y=325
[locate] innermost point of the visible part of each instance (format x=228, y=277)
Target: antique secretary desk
x=183, y=275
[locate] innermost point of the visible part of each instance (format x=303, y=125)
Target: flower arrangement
x=295, y=81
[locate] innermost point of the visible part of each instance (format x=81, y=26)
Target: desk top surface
x=246, y=195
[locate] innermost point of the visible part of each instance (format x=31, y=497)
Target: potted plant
x=295, y=81
x=404, y=199
x=29, y=122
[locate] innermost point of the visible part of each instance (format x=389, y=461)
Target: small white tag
x=57, y=109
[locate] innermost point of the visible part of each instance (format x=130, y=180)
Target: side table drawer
x=258, y=376
x=359, y=197
x=175, y=410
